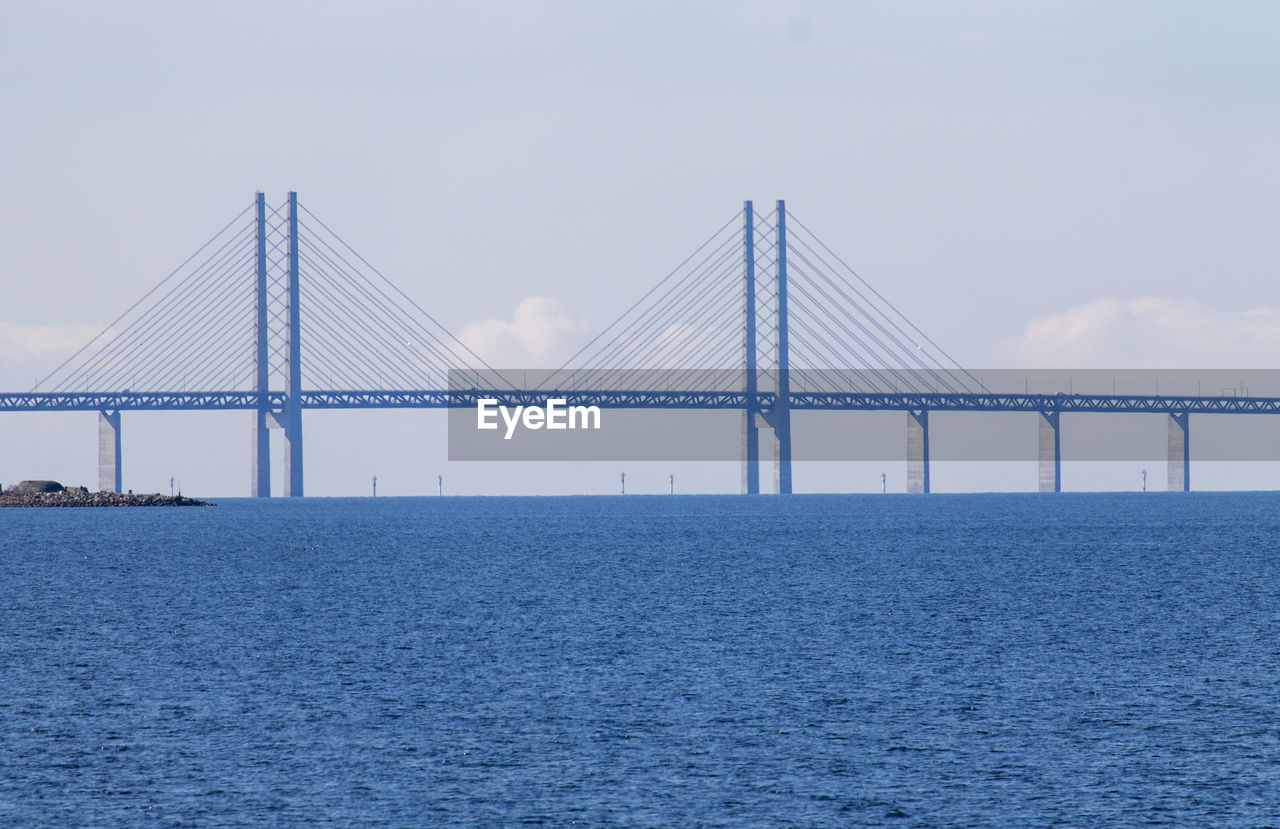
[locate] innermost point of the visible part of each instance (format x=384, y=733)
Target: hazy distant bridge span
x=763, y=318
x=621, y=399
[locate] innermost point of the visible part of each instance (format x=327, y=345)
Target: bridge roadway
x=623, y=399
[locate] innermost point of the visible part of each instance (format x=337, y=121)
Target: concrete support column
x=1179, y=452
x=1050, y=452
x=260, y=482
x=750, y=453
x=109, y=478
x=918, y=451
x=293, y=452
x=780, y=434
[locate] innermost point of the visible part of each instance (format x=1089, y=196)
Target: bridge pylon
x=751, y=413
x=777, y=420
x=293, y=376
x=260, y=483
x=225, y=330
x=781, y=420
x=287, y=417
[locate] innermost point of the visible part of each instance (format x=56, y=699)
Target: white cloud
x=1148, y=332
x=27, y=352
x=681, y=345
x=538, y=335
x=42, y=343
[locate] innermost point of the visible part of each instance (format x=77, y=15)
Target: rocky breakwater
x=54, y=494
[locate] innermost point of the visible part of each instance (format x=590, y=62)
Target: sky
x=1037, y=185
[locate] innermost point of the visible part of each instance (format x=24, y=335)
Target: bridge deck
x=624, y=399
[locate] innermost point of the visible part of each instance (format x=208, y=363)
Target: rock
x=81, y=497
x=34, y=487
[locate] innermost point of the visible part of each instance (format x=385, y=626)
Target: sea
x=1009, y=660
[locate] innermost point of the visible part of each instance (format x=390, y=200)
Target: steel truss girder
x=465, y=398
x=633, y=399
x=135, y=401
x=955, y=402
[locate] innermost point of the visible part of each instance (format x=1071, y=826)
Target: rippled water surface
x=984, y=660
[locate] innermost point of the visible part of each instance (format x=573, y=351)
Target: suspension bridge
x=276, y=315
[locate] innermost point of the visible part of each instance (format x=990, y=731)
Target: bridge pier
x=260, y=476
x=292, y=432
x=1050, y=452
x=780, y=433
x=918, y=451
x=1179, y=452
x=109, y=477
x=750, y=453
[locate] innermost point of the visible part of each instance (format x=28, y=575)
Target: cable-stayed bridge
x=276, y=315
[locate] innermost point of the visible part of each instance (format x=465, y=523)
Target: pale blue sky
x=985, y=164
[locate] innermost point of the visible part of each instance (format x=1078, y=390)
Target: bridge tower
x=260, y=485
x=781, y=419
x=224, y=331
x=778, y=420
x=293, y=376
x=288, y=418
x=750, y=429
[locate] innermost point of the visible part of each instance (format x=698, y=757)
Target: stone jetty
x=53, y=494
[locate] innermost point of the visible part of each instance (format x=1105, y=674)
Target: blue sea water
x=963, y=660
